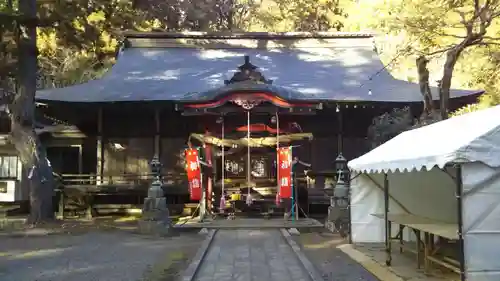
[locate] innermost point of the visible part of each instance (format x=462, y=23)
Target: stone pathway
x=250, y=255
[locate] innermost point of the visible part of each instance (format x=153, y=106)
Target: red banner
x=285, y=172
x=193, y=173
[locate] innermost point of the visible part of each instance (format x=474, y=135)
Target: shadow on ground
x=106, y=249
x=404, y=264
x=334, y=265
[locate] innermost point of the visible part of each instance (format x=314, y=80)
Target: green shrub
x=391, y=124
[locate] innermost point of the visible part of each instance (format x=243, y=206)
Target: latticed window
x=9, y=167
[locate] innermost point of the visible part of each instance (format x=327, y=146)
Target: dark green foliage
x=389, y=125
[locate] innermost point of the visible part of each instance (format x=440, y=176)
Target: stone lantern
x=155, y=216
x=339, y=210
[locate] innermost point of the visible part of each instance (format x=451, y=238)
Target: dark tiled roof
x=193, y=66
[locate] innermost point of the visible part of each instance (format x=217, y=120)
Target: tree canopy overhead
x=81, y=41
x=459, y=40
x=435, y=42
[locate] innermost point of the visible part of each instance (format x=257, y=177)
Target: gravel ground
x=331, y=262
x=96, y=256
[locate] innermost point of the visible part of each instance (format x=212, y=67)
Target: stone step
x=12, y=222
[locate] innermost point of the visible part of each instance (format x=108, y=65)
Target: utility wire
x=402, y=51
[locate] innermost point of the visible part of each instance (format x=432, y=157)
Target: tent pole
x=388, y=260
x=278, y=180
x=293, y=213
x=295, y=190
x=249, y=168
x=277, y=131
x=223, y=170
x=459, y=186
x=203, y=204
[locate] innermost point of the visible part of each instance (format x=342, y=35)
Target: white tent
x=425, y=169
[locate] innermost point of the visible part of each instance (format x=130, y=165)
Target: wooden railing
x=126, y=179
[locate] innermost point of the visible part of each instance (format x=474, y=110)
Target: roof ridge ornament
x=248, y=73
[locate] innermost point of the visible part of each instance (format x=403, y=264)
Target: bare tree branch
x=440, y=51
x=486, y=43
x=426, y=29
x=491, y=38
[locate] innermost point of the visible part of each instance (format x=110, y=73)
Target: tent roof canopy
x=473, y=137
x=185, y=67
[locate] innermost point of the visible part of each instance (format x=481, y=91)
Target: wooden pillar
x=80, y=158
x=100, y=148
x=157, y=133
x=340, y=131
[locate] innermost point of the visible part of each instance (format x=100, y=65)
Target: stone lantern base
x=331, y=218
x=155, y=215
x=335, y=216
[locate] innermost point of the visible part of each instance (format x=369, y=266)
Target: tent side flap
x=481, y=221
x=430, y=196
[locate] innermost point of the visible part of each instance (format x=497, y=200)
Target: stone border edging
x=306, y=263
x=193, y=267
x=381, y=272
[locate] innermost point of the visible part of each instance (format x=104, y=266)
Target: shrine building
x=242, y=93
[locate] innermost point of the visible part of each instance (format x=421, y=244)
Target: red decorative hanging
x=193, y=173
x=285, y=172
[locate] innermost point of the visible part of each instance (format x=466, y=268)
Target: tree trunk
x=22, y=113
x=423, y=81
x=445, y=85
x=230, y=15
x=33, y=157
